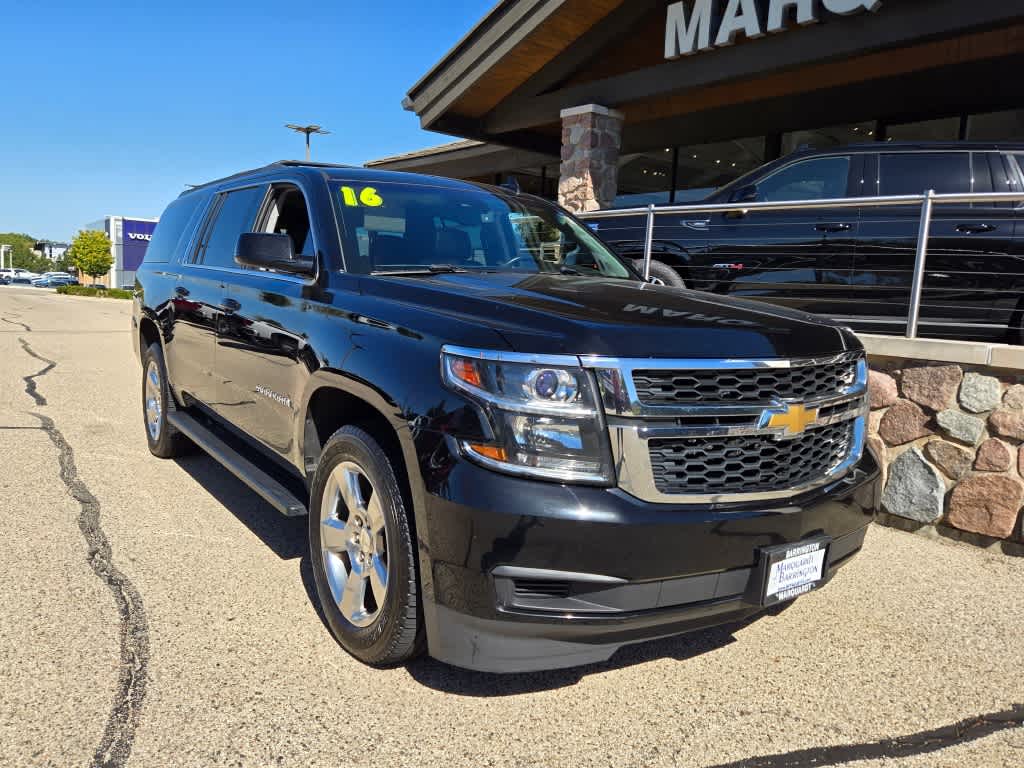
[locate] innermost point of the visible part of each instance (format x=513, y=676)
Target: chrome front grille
x=760, y=385
x=746, y=463
x=722, y=431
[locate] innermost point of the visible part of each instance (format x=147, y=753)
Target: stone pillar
x=588, y=175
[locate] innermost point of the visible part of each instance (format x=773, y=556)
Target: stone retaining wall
x=950, y=440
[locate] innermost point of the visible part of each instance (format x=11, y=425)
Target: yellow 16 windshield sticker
x=366, y=196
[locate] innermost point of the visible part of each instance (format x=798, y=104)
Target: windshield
x=397, y=227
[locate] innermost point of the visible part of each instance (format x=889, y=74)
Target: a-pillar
x=589, y=173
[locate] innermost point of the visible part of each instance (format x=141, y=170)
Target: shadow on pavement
x=287, y=537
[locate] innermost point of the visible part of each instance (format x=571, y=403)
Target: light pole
x=306, y=129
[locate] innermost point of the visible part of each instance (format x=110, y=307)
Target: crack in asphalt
x=119, y=734
x=30, y=381
x=15, y=322
x=923, y=742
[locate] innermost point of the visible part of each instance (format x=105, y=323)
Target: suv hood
x=565, y=314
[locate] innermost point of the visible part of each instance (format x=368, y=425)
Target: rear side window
x=172, y=229
x=236, y=213
x=912, y=173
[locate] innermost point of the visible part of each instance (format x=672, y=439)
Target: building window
x=943, y=129
x=996, y=126
x=703, y=168
x=833, y=136
x=645, y=178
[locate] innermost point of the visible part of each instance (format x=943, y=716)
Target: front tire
x=362, y=551
x=661, y=272
x=157, y=401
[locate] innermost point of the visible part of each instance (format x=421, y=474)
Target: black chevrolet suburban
x=856, y=264
x=514, y=453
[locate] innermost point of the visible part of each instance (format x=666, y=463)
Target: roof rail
x=275, y=164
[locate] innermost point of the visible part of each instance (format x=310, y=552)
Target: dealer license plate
x=794, y=569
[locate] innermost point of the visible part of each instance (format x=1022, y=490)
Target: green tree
x=21, y=252
x=90, y=253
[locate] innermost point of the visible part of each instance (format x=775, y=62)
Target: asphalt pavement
x=158, y=613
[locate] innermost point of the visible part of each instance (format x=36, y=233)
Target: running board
x=279, y=497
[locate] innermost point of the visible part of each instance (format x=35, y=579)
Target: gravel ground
x=157, y=613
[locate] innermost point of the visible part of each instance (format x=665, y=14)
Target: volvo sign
x=692, y=26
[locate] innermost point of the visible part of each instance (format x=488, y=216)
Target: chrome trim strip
x=620, y=398
x=632, y=460
x=711, y=364
x=519, y=572
x=500, y=355
x=655, y=429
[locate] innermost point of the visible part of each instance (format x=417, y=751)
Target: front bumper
x=523, y=575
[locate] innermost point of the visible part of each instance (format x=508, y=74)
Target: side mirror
x=747, y=194
x=268, y=250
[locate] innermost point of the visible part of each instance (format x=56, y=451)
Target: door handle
x=230, y=305
x=974, y=229
x=696, y=223
x=181, y=290
x=833, y=227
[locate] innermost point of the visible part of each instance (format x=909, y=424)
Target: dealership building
x=604, y=103
x=129, y=238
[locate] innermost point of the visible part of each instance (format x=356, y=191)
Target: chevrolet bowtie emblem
x=794, y=419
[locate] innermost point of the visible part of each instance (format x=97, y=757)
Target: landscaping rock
x=955, y=462
x=1014, y=397
x=915, y=489
x=986, y=504
x=993, y=456
x=961, y=427
x=882, y=390
x=980, y=393
x=902, y=423
x=1007, y=423
x=933, y=386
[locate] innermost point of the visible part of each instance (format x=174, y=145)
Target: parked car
x=54, y=281
x=513, y=451
x=856, y=264
x=20, y=281
x=46, y=276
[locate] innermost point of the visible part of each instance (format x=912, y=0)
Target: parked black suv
x=855, y=265
x=512, y=450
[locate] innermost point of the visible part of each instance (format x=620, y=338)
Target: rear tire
x=662, y=272
x=363, y=552
x=164, y=440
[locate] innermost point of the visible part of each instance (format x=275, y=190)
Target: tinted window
x=912, y=173
x=823, y=178
x=171, y=229
x=236, y=215
x=392, y=226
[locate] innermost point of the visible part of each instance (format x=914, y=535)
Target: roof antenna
x=511, y=183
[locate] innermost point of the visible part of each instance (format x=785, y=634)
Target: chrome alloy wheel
x=154, y=400
x=353, y=544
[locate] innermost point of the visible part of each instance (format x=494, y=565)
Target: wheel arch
x=333, y=400
x=667, y=252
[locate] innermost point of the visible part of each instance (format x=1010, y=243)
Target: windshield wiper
x=429, y=269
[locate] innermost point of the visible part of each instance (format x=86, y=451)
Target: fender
x=386, y=406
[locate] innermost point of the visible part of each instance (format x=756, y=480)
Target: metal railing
x=926, y=201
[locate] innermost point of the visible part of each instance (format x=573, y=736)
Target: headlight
x=542, y=412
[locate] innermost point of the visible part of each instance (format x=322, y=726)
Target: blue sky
x=112, y=107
